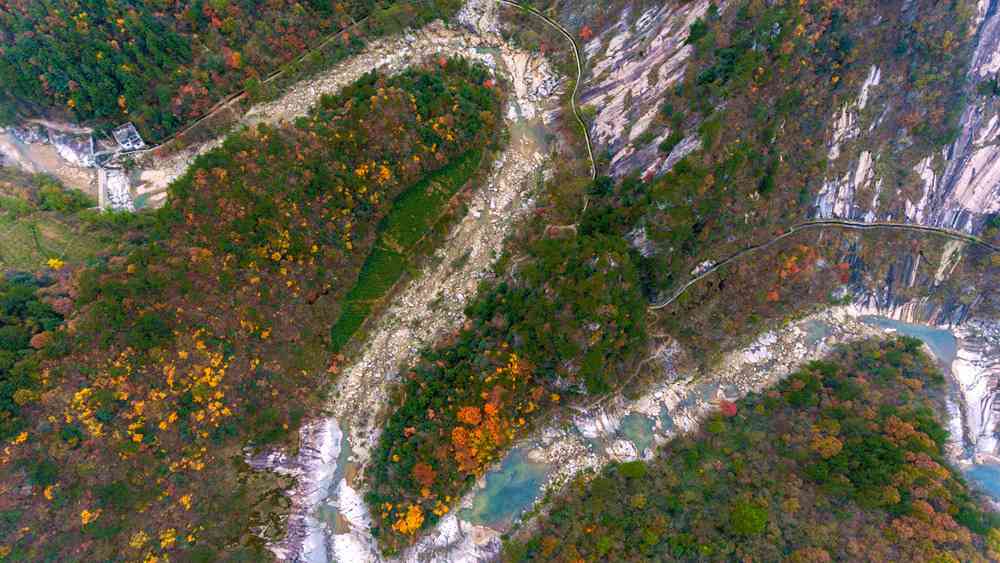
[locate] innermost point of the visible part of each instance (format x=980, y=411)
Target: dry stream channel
x=329, y=520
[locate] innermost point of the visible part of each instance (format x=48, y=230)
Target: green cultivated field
x=412, y=217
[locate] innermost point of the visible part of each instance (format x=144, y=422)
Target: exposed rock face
x=114, y=190
x=977, y=371
x=455, y=541
x=31, y=134
x=957, y=188
x=480, y=16
x=603, y=423
x=632, y=63
x=313, y=468
x=77, y=150
x=887, y=296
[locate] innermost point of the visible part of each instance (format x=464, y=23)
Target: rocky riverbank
x=680, y=401
x=430, y=304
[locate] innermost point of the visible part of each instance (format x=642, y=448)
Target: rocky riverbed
x=329, y=520
x=475, y=38
x=626, y=430
x=42, y=148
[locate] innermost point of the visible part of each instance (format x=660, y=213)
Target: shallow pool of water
x=816, y=330
x=700, y=393
x=638, y=429
x=666, y=420
x=942, y=342
x=987, y=477
x=327, y=512
x=510, y=490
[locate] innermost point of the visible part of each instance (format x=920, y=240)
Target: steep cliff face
x=957, y=187
x=632, y=62
x=976, y=369
x=877, y=171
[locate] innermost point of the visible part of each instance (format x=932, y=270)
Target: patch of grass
x=26, y=243
x=412, y=217
x=416, y=211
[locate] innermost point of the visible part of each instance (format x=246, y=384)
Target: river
x=944, y=345
x=513, y=488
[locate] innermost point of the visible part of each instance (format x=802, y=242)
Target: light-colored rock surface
x=633, y=64
x=845, y=126
x=44, y=157
x=959, y=186
x=114, y=190
x=977, y=371
x=314, y=468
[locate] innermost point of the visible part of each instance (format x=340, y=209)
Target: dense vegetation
x=133, y=444
x=285, y=232
x=25, y=326
x=163, y=64
x=754, y=68
x=570, y=318
x=842, y=461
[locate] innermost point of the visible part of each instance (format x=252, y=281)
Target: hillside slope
x=131, y=438
x=841, y=461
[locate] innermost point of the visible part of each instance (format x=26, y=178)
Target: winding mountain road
x=826, y=224
x=579, y=75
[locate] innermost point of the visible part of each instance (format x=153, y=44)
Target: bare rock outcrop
x=957, y=188
x=632, y=63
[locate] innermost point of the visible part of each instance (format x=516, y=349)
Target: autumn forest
x=146, y=358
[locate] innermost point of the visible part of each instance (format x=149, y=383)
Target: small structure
x=128, y=137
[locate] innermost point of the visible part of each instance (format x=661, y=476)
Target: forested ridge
x=127, y=433
x=844, y=460
x=566, y=321
x=161, y=64
x=217, y=329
